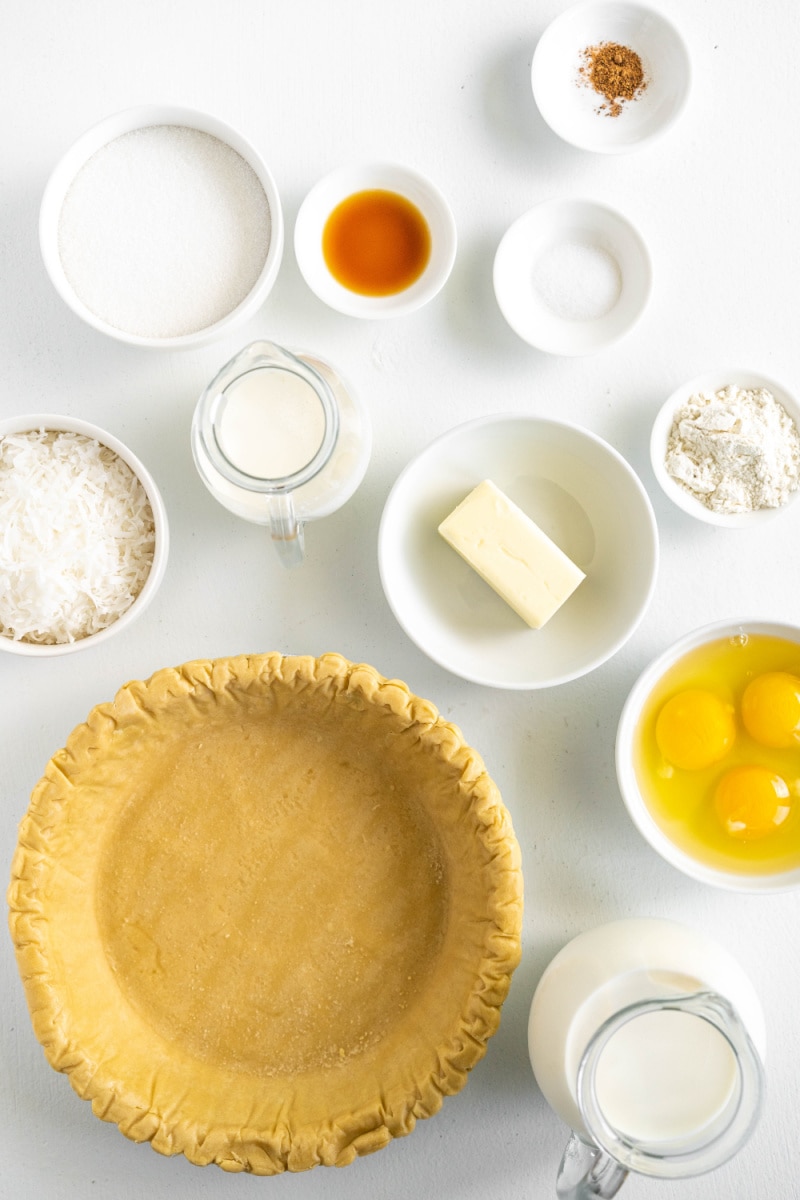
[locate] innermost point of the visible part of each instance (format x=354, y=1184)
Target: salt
x=164, y=231
x=577, y=280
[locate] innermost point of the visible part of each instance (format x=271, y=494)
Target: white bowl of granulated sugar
x=162, y=227
x=725, y=448
x=85, y=535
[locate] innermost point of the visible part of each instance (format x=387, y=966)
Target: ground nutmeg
x=615, y=72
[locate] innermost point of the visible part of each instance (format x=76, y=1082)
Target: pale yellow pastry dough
x=266, y=911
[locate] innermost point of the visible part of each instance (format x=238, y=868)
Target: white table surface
x=443, y=86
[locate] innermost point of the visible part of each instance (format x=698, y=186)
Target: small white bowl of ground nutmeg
x=85, y=535
x=610, y=76
x=725, y=448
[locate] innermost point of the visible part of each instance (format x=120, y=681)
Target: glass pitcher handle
x=586, y=1172
x=287, y=531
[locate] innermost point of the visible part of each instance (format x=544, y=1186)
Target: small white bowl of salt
x=572, y=276
x=162, y=227
x=85, y=535
x=725, y=448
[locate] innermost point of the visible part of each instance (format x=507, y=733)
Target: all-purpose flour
x=736, y=450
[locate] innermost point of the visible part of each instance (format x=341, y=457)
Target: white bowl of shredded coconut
x=725, y=448
x=162, y=227
x=85, y=536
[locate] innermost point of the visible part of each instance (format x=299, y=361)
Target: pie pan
x=266, y=910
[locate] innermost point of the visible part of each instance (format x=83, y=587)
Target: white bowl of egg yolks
x=375, y=240
x=708, y=755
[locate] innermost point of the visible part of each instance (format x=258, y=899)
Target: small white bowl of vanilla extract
x=375, y=240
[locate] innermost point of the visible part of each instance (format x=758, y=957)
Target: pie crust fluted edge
x=269, y=1152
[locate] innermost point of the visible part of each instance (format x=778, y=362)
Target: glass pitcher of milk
x=278, y=439
x=647, y=1038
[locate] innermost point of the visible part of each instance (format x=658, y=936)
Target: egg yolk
x=771, y=709
x=751, y=802
x=695, y=729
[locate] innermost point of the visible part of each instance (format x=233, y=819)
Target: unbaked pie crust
x=266, y=911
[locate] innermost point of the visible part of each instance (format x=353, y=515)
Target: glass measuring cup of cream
x=279, y=440
x=647, y=1038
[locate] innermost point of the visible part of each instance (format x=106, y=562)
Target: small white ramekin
x=564, y=221
x=570, y=106
x=712, y=382
x=347, y=181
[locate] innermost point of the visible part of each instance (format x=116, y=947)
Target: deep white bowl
x=581, y=492
x=713, y=382
x=570, y=107
x=31, y=421
x=107, y=131
x=650, y=830
x=567, y=222
x=346, y=181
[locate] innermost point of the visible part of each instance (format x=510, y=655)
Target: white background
x=444, y=87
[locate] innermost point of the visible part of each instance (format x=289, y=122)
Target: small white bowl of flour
x=725, y=448
x=162, y=227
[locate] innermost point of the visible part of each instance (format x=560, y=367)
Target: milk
x=271, y=423
x=665, y=1075
x=277, y=428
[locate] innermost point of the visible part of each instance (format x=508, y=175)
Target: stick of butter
x=511, y=553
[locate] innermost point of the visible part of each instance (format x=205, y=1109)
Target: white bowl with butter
x=579, y=491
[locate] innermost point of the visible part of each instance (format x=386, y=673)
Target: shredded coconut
x=76, y=536
x=736, y=450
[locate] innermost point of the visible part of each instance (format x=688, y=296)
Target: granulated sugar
x=577, y=280
x=164, y=231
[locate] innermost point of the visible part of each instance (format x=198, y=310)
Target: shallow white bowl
x=581, y=492
x=569, y=105
x=640, y=814
x=359, y=177
x=100, y=135
x=566, y=222
x=713, y=381
x=30, y=421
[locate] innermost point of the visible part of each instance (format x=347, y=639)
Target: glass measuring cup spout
x=598, y=1165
